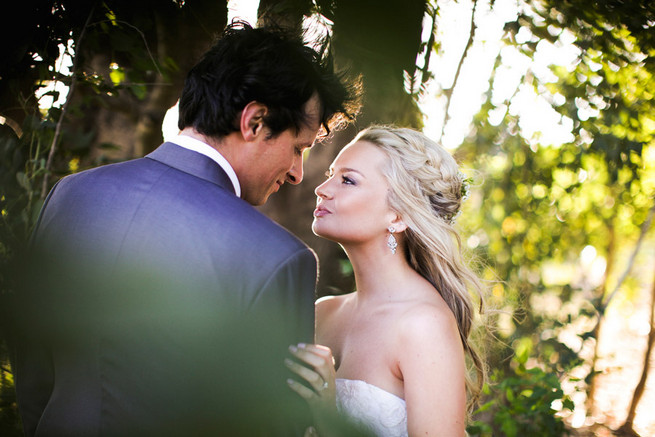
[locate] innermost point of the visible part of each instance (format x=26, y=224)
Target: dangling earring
x=391, y=240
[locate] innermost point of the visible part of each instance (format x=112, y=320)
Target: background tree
x=551, y=215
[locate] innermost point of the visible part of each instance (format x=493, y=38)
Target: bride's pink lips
x=321, y=211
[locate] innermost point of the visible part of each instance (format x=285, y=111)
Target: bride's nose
x=322, y=190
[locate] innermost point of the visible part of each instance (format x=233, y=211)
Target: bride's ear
x=398, y=224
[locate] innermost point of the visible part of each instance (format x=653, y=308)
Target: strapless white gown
x=385, y=414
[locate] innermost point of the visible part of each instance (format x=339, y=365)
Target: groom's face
x=280, y=159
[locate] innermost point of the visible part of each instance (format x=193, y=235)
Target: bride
x=392, y=355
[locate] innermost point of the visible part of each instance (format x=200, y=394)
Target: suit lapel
x=193, y=163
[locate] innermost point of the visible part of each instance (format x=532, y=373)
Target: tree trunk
x=602, y=291
x=605, y=298
x=174, y=39
x=626, y=428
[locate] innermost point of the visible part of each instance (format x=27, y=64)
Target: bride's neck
x=377, y=272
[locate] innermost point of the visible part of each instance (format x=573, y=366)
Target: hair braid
x=426, y=190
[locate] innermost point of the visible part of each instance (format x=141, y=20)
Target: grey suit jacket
x=159, y=303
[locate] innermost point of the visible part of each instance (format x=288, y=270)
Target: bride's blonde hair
x=427, y=190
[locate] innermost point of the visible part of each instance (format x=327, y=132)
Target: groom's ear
x=251, y=123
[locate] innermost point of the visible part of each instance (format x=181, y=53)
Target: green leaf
x=23, y=181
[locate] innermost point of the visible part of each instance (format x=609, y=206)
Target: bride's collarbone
x=361, y=333
x=371, y=334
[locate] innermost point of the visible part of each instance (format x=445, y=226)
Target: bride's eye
x=346, y=180
x=328, y=174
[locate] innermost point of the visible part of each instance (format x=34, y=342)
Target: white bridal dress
x=383, y=413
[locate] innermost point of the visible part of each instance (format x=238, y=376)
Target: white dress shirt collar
x=207, y=150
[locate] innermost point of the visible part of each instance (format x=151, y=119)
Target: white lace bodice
x=382, y=412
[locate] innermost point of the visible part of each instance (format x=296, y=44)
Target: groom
x=160, y=302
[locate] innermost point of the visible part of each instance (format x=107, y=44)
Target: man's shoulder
x=114, y=171
x=264, y=233
x=222, y=218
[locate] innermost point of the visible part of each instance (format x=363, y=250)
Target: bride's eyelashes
x=347, y=181
x=344, y=179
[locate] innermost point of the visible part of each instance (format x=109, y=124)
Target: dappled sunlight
x=53, y=93
x=452, y=32
x=547, y=304
x=539, y=122
x=593, y=268
x=556, y=273
x=242, y=9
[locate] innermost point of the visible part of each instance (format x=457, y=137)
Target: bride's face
x=352, y=203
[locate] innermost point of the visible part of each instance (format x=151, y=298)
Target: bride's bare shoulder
x=327, y=305
x=428, y=321
x=331, y=311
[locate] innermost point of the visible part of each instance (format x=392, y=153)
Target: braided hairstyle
x=427, y=190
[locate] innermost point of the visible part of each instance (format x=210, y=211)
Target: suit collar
x=193, y=163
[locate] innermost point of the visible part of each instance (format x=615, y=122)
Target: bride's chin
x=318, y=230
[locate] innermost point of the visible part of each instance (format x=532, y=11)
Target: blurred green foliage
x=10, y=424
x=22, y=164
x=27, y=136
x=523, y=401
x=555, y=223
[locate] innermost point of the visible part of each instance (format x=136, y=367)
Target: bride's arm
x=433, y=370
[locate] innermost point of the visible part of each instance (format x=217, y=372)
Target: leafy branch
x=55, y=138
x=449, y=92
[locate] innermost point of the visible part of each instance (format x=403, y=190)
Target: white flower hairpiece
x=464, y=193
x=466, y=185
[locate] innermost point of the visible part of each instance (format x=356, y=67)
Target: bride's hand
x=316, y=368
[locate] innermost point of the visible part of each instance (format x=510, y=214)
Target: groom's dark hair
x=271, y=66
